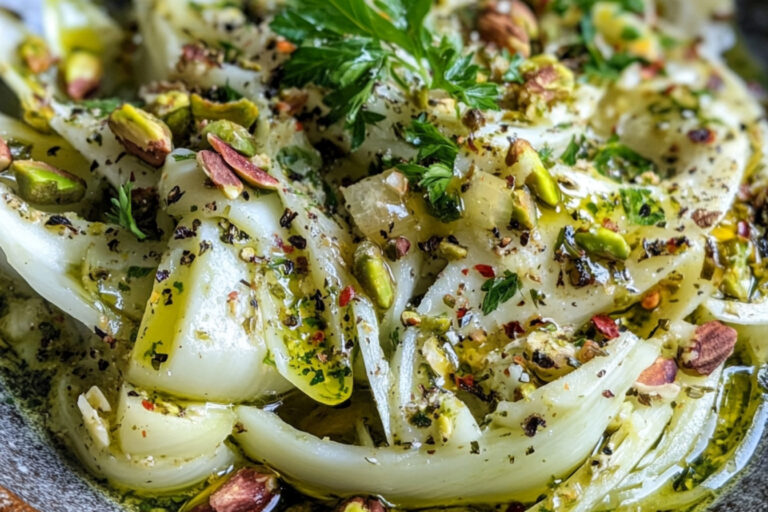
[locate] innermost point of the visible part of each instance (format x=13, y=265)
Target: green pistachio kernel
x=142, y=134
x=524, y=209
x=602, y=242
x=243, y=111
x=451, y=251
x=44, y=184
x=233, y=134
x=374, y=275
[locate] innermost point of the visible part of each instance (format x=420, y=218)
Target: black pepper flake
x=58, y=220
x=112, y=244
x=103, y=365
x=53, y=150
x=298, y=241
x=183, y=232
x=94, y=165
x=174, y=195
x=532, y=423
x=287, y=218
x=162, y=275
x=205, y=246
x=187, y=258
x=608, y=393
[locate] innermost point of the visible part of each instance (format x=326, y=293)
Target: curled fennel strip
x=503, y=464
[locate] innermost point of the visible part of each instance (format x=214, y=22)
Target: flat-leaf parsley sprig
x=122, y=211
x=347, y=46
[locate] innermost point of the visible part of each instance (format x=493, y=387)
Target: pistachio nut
x=374, y=275
x=233, y=134
x=35, y=54
x=173, y=107
x=82, y=73
x=603, y=242
x=737, y=278
x=397, y=248
x=41, y=183
x=36, y=109
x=358, y=504
x=243, y=111
x=523, y=209
x=549, y=357
x=220, y=174
x=451, y=251
x=511, y=29
x=410, y=318
x=525, y=161
x=5, y=155
x=141, y=133
x=244, y=168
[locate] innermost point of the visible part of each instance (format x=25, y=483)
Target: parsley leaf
x=513, y=74
x=641, y=208
x=574, y=151
x=347, y=46
x=432, y=144
x=122, y=214
x=499, y=290
x=432, y=169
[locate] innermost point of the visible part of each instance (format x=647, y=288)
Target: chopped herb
x=181, y=157
x=299, y=160
x=574, y=151
x=513, y=74
x=122, y=211
x=433, y=145
x=641, y=208
x=499, y=290
x=348, y=46
x=139, y=272
x=105, y=106
x=179, y=286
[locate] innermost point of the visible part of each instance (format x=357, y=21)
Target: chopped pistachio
x=5, y=155
x=374, y=275
x=243, y=111
x=397, y=248
x=233, y=134
x=41, y=183
x=602, y=242
x=451, y=251
x=439, y=324
x=525, y=161
x=410, y=318
x=35, y=54
x=524, y=209
x=737, y=278
x=141, y=133
x=36, y=109
x=173, y=108
x=220, y=174
x=82, y=72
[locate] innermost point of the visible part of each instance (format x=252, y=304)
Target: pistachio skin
x=44, y=184
x=35, y=54
x=737, y=278
x=243, y=111
x=5, y=155
x=82, y=73
x=602, y=242
x=244, y=168
x=233, y=134
x=374, y=275
x=142, y=134
x=220, y=174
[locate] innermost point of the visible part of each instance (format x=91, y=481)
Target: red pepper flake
x=286, y=248
x=148, y=405
x=608, y=393
x=347, y=294
x=318, y=337
x=466, y=382
x=606, y=326
x=232, y=296
x=299, y=126
x=512, y=329
x=701, y=136
x=143, y=433
x=485, y=271
x=465, y=271
x=461, y=313
x=742, y=228
x=652, y=70
x=609, y=224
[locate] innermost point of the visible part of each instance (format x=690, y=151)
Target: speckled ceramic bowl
x=43, y=476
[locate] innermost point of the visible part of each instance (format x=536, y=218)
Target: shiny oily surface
x=41, y=476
